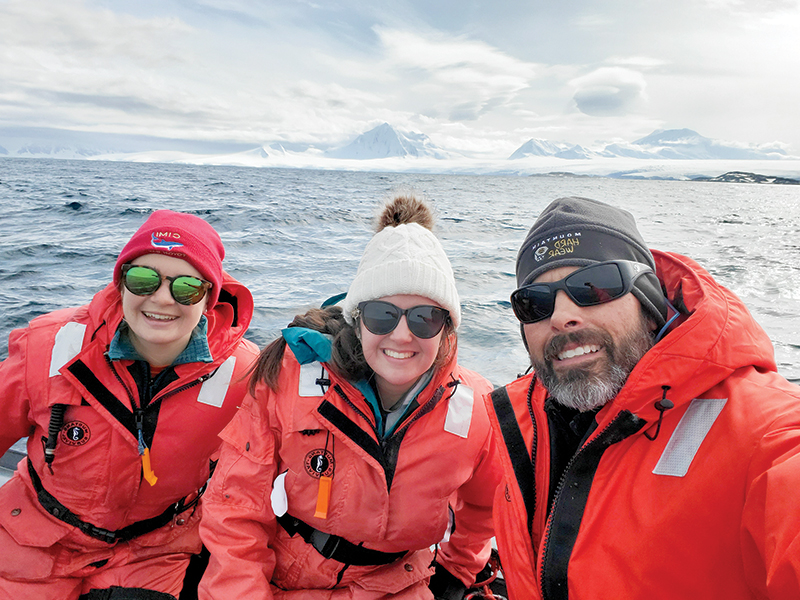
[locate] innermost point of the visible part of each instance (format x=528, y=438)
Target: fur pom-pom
x=403, y=208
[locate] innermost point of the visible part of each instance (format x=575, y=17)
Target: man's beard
x=591, y=387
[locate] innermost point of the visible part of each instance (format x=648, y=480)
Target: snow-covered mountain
x=664, y=154
x=57, y=151
x=685, y=144
x=536, y=147
x=670, y=144
x=41, y=142
x=384, y=141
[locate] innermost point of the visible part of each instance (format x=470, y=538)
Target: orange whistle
x=323, y=497
x=149, y=475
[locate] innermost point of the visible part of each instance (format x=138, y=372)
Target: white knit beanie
x=404, y=259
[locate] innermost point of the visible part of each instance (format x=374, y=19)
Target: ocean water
x=295, y=237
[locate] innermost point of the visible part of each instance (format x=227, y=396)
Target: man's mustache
x=582, y=338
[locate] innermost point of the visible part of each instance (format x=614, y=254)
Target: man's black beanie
x=578, y=232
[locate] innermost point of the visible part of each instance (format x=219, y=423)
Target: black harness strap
x=134, y=530
x=123, y=593
x=108, y=400
x=517, y=451
x=353, y=431
x=335, y=547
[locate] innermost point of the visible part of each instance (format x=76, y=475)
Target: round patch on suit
x=319, y=462
x=75, y=433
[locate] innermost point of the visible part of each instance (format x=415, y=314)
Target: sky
x=479, y=77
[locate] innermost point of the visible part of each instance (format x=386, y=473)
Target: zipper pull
x=144, y=451
x=323, y=497
x=325, y=481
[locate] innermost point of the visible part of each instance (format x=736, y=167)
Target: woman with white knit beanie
x=370, y=442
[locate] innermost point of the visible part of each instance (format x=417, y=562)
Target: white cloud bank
x=479, y=77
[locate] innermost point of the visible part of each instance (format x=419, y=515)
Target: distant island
x=742, y=177
x=730, y=177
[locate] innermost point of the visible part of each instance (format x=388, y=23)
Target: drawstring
x=322, y=381
x=435, y=555
x=481, y=590
x=668, y=323
x=453, y=383
x=49, y=443
x=662, y=406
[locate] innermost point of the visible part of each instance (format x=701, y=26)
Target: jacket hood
x=308, y=345
x=227, y=321
x=716, y=337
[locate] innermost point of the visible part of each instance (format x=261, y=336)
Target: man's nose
x=566, y=313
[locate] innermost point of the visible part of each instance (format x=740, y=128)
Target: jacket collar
x=197, y=350
x=311, y=346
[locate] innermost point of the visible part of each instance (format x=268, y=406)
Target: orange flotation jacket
x=97, y=492
x=313, y=456
x=695, y=498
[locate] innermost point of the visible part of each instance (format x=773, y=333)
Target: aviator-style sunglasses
x=595, y=284
x=380, y=318
x=145, y=281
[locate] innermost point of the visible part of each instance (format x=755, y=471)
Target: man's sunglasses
x=145, y=281
x=381, y=317
x=595, y=284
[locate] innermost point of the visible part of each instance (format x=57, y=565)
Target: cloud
x=470, y=73
x=68, y=29
x=609, y=91
x=64, y=56
x=459, y=78
x=640, y=62
x=753, y=6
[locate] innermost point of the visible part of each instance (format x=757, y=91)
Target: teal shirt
x=196, y=350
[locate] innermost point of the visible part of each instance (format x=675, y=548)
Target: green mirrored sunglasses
x=145, y=281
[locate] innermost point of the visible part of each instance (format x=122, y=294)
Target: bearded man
x=654, y=451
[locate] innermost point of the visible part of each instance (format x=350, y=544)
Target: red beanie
x=182, y=236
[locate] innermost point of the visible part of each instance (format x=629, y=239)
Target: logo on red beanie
x=162, y=244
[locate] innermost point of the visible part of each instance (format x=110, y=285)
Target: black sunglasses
x=381, y=317
x=595, y=284
x=145, y=281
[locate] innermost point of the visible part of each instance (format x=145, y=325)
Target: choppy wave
x=295, y=237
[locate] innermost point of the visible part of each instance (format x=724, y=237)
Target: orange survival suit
x=700, y=503
x=88, y=519
x=391, y=497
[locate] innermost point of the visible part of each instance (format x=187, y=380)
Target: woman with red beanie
x=122, y=401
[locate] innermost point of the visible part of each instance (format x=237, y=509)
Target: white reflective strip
x=214, y=390
x=459, y=411
x=687, y=437
x=68, y=343
x=309, y=373
x=278, y=497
